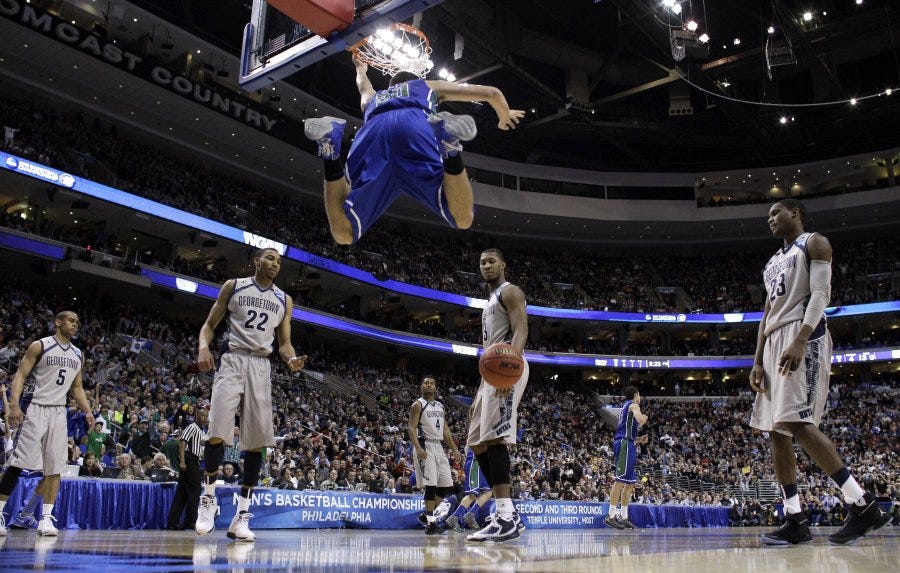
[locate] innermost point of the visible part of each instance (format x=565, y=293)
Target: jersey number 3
x=263, y=319
x=777, y=287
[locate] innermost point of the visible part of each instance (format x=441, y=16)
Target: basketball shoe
x=450, y=129
x=498, y=529
x=614, y=522
x=26, y=518
x=46, y=528
x=206, y=515
x=793, y=531
x=454, y=524
x=239, y=529
x=626, y=523
x=471, y=520
x=520, y=525
x=327, y=132
x=861, y=519
x=435, y=529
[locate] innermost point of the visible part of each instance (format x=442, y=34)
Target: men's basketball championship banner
x=289, y=509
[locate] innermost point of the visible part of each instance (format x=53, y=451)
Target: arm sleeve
x=819, y=292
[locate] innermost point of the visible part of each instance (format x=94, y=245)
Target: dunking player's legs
x=336, y=192
x=458, y=191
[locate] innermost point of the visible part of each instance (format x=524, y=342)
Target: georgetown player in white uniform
x=426, y=429
x=493, y=414
x=257, y=312
x=42, y=443
x=791, y=371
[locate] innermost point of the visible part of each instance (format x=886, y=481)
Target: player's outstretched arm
x=18, y=383
x=363, y=84
x=451, y=91
x=205, y=360
x=285, y=347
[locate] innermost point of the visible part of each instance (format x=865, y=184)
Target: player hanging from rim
x=404, y=146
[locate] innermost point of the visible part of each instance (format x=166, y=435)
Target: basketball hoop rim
x=395, y=26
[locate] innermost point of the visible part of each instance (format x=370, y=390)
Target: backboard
x=275, y=46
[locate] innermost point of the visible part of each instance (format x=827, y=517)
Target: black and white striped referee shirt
x=193, y=437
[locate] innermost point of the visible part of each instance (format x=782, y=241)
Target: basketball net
x=397, y=48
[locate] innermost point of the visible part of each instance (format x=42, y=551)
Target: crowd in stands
x=700, y=452
x=88, y=147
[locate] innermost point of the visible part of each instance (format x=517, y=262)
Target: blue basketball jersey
x=628, y=426
x=412, y=94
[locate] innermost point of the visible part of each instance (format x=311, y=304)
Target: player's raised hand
x=758, y=378
x=205, y=361
x=361, y=66
x=511, y=120
x=297, y=363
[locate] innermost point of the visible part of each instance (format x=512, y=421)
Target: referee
x=187, y=493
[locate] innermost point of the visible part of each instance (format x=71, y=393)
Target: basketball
x=501, y=365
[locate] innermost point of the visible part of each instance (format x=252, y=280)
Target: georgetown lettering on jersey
x=63, y=361
x=776, y=268
x=256, y=302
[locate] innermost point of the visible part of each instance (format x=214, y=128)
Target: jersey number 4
x=776, y=287
x=263, y=319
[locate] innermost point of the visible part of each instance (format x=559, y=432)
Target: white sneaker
x=206, y=515
x=3, y=529
x=498, y=529
x=45, y=526
x=239, y=529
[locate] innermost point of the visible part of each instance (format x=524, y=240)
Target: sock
x=243, y=504
x=853, y=494
x=791, y=498
x=474, y=509
x=334, y=170
x=624, y=512
x=429, y=517
x=210, y=489
x=453, y=165
x=2, y=504
x=460, y=511
x=32, y=503
x=505, y=507
x=615, y=511
x=47, y=509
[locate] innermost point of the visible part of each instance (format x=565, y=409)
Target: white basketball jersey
x=54, y=372
x=431, y=420
x=495, y=325
x=786, y=277
x=253, y=317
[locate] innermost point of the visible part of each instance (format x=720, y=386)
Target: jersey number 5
x=263, y=318
x=777, y=287
x=61, y=377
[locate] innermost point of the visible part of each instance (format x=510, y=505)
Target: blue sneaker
x=450, y=129
x=327, y=132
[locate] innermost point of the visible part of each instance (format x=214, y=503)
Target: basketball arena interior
x=151, y=148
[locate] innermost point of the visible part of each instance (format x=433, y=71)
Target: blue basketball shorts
x=475, y=481
x=394, y=153
x=625, y=455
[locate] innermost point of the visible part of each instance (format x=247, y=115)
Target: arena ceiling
x=604, y=91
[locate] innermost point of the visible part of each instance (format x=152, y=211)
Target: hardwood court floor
x=563, y=551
